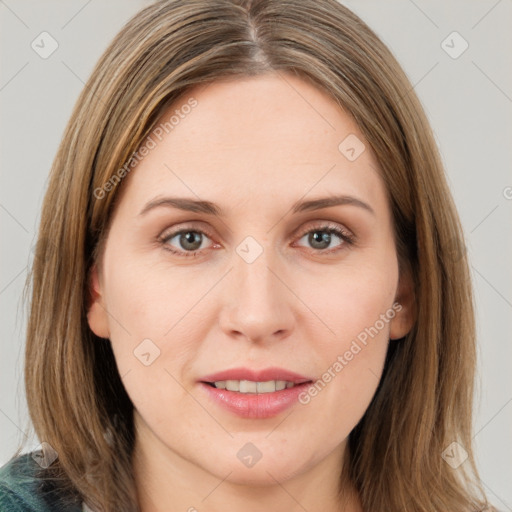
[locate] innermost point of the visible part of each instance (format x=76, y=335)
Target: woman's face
x=274, y=280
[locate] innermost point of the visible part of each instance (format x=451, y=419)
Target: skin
x=254, y=147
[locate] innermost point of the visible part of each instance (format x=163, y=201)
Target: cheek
x=350, y=374
x=153, y=301
x=154, y=332
x=356, y=309
x=353, y=300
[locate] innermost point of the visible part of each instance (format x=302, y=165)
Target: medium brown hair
x=76, y=398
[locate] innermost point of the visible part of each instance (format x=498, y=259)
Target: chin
x=263, y=472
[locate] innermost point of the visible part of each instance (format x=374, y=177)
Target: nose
x=257, y=303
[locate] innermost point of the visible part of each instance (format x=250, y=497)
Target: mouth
x=254, y=387
x=255, y=394
x=247, y=380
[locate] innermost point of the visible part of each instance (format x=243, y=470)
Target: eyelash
x=347, y=238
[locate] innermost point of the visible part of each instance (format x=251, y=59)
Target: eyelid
x=169, y=233
x=325, y=225
x=185, y=226
x=341, y=231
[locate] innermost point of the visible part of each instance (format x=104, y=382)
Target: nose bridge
x=254, y=276
x=257, y=302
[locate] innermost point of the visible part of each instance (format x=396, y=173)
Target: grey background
x=467, y=99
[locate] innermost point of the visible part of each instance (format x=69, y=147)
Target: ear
x=97, y=316
x=404, y=306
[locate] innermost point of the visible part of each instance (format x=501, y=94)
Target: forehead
x=270, y=136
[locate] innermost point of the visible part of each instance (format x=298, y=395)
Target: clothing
x=23, y=488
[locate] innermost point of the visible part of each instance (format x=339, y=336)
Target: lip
x=266, y=374
x=251, y=405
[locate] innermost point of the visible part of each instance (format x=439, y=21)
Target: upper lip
x=262, y=375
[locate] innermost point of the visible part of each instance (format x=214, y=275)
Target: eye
x=189, y=241
x=320, y=237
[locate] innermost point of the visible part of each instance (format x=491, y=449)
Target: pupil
x=324, y=238
x=190, y=238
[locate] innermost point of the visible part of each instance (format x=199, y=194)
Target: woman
x=245, y=292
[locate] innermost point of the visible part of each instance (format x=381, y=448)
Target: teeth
x=249, y=386
x=231, y=385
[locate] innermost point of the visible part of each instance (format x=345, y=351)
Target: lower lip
x=256, y=406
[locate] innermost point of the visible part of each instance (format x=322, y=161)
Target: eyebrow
x=209, y=208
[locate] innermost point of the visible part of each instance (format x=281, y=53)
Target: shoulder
x=24, y=487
